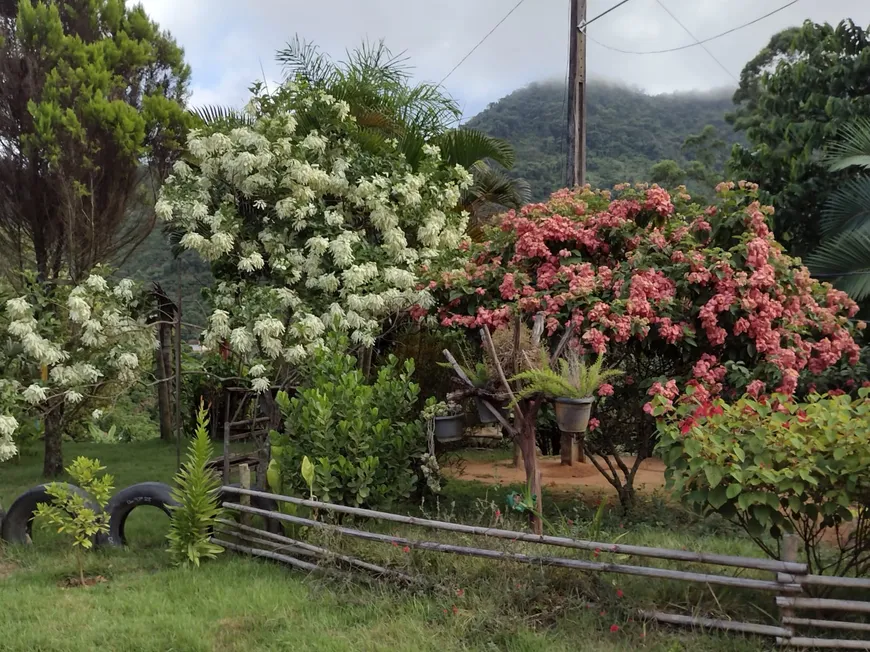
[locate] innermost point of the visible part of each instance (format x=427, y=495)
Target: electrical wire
x=481, y=41
x=701, y=42
x=586, y=23
x=706, y=49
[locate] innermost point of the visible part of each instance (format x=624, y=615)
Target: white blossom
x=97, y=283
x=260, y=385
x=73, y=397
x=34, y=394
x=8, y=425
x=242, y=340
x=18, y=308
x=256, y=371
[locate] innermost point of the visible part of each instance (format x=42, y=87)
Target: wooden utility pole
x=577, y=96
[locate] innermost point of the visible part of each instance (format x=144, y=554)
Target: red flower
x=395, y=545
x=597, y=552
x=614, y=628
x=459, y=593
x=455, y=610
x=619, y=593
x=406, y=549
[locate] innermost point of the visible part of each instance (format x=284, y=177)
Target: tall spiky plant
x=574, y=379
x=196, y=514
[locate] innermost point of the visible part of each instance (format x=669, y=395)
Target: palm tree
x=845, y=253
x=387, y=104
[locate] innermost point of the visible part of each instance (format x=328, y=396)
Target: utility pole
x=577, y=96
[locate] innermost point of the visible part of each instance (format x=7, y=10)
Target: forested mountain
x=627, y=131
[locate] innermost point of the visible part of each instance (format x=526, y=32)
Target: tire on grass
x=153, y=494
x=17, y=524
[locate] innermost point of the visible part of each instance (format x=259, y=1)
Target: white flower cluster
x=336, y=234
x=86, y=338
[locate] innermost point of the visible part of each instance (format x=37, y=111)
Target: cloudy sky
x=230, y=43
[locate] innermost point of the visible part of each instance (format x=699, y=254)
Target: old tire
x=273, y=525
x=153, y=494
x=17, y=524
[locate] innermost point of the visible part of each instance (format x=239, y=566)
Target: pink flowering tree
x=681, y=297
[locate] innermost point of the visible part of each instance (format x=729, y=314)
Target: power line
x=702, y=41
x=706, y=49
x=481, y=41
x=585, y=24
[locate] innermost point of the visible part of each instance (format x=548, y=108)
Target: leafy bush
x=774, y=465
x=72, y=513
x=681, y=295
x=194, y=518
x=364, y=439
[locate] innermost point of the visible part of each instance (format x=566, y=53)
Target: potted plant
x=446, y=419
x=572, y=389
x=481, y=379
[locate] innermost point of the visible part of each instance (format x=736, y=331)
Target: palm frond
x=846, y=258
x=853, y=147
x=848, y=207
x=302, y=58
x=467, y=146
x=213, y=115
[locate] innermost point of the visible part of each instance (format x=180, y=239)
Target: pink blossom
x=606, y=389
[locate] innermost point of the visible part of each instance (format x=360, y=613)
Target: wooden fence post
x=245, y=483
x=789, y=553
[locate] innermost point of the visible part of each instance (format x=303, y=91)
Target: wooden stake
x=245, y=483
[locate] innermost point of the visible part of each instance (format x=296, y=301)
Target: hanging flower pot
x=449, y=428
x=485, y=415
x=572, y=414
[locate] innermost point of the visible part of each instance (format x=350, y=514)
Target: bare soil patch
x=555, y=475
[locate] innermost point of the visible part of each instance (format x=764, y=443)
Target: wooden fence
x=789, y=576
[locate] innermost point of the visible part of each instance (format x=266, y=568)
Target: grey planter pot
x=484, y=415
x=572, y=414
x=450, y=428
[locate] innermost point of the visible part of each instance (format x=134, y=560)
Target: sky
x=231, y=43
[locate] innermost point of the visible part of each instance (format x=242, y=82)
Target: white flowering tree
x=68, y=347
x=310, y=221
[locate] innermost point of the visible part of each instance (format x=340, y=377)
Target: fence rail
x=790, y=575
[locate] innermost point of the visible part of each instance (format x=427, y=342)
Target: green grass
x=237, y=603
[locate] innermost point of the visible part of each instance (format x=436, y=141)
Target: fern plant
x=197, y=511
x=573, y=379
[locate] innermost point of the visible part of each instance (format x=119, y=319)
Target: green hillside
x=627, y=131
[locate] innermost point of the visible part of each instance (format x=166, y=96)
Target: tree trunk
x=162, y=363
x=530, y=460
x=53, y=463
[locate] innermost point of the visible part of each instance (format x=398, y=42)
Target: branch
x=487, y=337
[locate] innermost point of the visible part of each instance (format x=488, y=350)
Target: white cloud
x=226, y=42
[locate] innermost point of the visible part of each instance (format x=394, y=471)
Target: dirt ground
x=649, y=477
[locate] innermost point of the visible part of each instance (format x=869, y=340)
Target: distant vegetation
x=628, y=131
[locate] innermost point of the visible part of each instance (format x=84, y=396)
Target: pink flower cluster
x=583, y=259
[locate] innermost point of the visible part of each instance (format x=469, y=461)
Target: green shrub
x=72, y=513
x=364, y=439
x=775, y=466
x=194, y=518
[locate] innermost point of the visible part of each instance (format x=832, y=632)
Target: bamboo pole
x=226, y=470
x=277, y=547
x=830, y=643
x=824, y=604
x=789, y=554
x=245, y=483
x=827, y=624
x=353, y=561
x=714, y=623
x=832, y=580
x=606, y=567
x=754, y=563
x=487, y=338
x=286, y=559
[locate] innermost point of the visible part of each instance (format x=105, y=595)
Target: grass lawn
x=237, y=603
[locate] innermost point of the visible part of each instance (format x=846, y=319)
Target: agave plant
x=573, y=379
x=845, y=253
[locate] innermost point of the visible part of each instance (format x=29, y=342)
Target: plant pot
x=485, y=415
x=449, y=429
x=572, y=414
